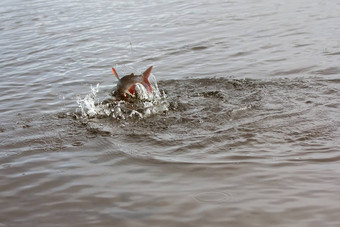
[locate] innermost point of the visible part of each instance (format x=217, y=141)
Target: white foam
x=144, y=105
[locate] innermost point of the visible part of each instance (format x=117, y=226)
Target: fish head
x=126, y=86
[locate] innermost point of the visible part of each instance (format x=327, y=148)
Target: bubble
x=212, y=197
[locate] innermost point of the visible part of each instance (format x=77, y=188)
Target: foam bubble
x=141, y=105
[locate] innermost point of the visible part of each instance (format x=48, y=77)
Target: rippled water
x=249, y=136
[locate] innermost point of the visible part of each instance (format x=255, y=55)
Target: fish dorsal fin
x=115, y=73
x=147, y=72
x=145, y=78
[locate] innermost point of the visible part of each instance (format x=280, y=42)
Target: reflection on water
x=224, y=151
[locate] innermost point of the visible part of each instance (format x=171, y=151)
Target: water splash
x=87, y=104
x=142, y=104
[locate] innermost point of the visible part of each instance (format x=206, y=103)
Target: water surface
x=250, y=137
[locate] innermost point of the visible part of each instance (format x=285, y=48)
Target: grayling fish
x=127, y=85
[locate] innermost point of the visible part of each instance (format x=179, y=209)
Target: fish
x=126, y=85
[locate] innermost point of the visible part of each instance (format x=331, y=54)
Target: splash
x=142, y=105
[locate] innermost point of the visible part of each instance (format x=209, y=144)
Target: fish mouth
x=138, y=91
x=130, y=91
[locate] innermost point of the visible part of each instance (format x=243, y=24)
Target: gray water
x=250, y=137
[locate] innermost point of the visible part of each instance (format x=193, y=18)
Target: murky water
x=246, y=133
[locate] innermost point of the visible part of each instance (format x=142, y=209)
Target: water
x=249, y=135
